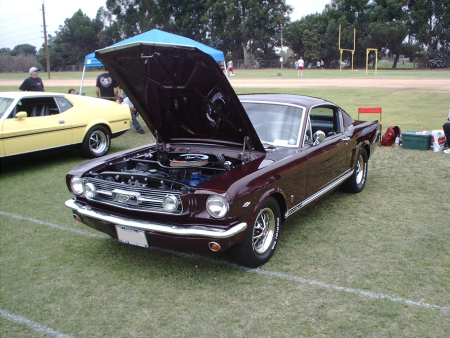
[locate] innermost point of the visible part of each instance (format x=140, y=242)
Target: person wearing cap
x=33, y=83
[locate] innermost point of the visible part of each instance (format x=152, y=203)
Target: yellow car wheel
x=96, y=142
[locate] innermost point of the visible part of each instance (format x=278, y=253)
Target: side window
x=5, y=103
x=20, y=106
x=308, y=133
x=63, y=104
x=326, y=119
x=37, y=106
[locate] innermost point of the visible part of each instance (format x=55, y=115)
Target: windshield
x=277, y=124
x=4, y=105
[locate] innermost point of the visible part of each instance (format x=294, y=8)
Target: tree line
x=251, y=30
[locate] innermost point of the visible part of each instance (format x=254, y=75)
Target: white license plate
x=131, y=236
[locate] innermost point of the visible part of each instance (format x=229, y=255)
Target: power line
x=15, y=18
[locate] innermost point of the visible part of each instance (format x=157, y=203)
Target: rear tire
x=356, y=182
x=96, y=143
x=261, y=240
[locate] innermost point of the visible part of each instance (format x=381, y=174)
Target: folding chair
x=371, y=110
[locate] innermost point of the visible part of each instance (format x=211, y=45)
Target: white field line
x=32, y=325
x=56, y=226
x=274, y=274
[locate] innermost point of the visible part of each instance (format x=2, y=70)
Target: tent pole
x=82, y=80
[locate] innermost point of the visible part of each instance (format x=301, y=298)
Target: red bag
x=388, y=138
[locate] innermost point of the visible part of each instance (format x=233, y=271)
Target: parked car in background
x=34, y=121
x=226, y=171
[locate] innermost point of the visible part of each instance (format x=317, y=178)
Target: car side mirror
x=21, y=114
x=318, y=137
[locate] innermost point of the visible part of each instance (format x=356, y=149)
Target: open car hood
x=181, y=93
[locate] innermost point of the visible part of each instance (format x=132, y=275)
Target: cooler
x=416, y=140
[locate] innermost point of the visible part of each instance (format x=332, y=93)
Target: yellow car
x=33, y=121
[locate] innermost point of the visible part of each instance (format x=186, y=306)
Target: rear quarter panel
x=363, y=135
x=89, y=112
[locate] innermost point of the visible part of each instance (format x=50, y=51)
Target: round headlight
x=217, y=206
x=170, y=203
x=90, y=191
x=76, y=184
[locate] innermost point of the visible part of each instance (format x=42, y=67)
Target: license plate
x=131, y=236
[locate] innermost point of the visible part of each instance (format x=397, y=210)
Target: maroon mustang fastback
x=226, y=171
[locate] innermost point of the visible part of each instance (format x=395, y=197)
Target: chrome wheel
x=261, y=240
x=359, y=170
x=356, y=182
x=263, y=231
x=98, y=142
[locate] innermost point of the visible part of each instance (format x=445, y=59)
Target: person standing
x=134, y=115
x=230, y=68
x=106, y=85
x=301, y=65
x=322, y=64
x=33, y=83
x=446, y=128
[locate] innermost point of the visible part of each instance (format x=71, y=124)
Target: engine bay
x=156, y=169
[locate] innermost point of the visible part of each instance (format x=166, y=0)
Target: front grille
x=142, y=199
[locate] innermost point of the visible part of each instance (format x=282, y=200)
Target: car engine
x=168, y=171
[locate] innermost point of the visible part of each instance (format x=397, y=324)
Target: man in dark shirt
x=34, y=82
x=106, y=85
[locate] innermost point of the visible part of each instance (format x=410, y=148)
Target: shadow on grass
x=40, y=160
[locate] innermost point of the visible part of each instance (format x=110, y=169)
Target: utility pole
x=281, y=53
x=45, y=39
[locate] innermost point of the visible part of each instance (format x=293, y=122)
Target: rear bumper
x=97, y=219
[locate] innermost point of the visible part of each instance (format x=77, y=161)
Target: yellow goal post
x=341, y=50
x=368, y=50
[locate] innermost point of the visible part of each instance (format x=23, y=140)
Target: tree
x=388, y=27
x=351, y=15
x=307, y=38
x=78, y=37
x=252, y=24
x=430, y=22
x=25, y=49
x=5, y=51
x=127, y=18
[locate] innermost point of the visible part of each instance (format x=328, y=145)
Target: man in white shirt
x=134, y=115
x=301, y=64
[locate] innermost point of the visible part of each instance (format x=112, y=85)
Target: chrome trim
x=142, y=195
x=318, y=194
x=153, y=227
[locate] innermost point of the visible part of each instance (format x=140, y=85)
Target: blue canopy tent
x=155, y=35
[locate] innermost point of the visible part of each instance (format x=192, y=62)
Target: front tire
x=96, y=143
x=261, y=240
x=356, y=182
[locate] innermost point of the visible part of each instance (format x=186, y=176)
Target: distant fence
x=416, y=63
x=9, y=64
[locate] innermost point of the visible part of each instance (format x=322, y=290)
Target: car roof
x=20, y=94
x=298, y=100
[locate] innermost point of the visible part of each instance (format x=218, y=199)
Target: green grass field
x=268, y=73
x=375, y=264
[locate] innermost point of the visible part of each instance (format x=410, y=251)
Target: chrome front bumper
x=207, y=232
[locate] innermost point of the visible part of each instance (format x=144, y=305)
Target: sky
x=21, y=21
